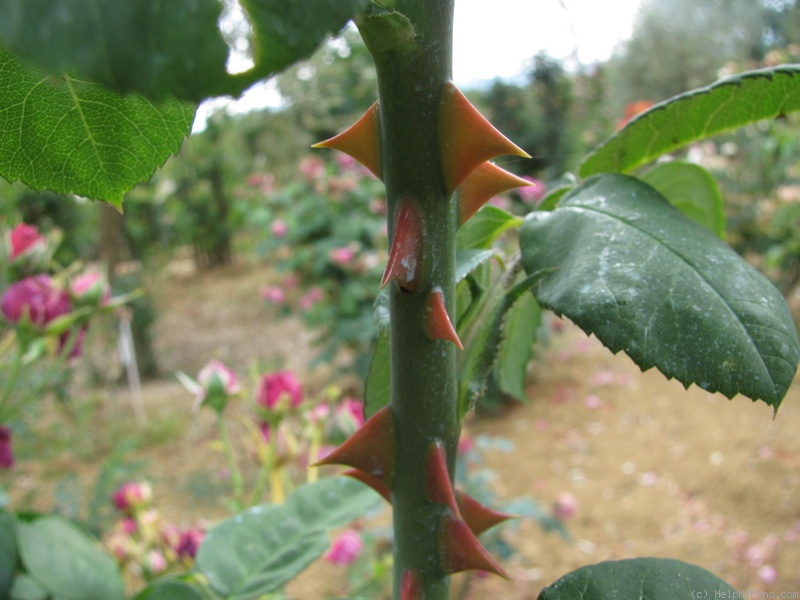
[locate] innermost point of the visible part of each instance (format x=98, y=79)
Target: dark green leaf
x=66, y=561
x=551, y=200
x=692, y=190
x=74, y=137
x=641, y=578
x=261, y=549
x=630, y=268
x=377, y=388
x=698, y=114
x=521, y=326
x=165, y=49
x=480, y=232
x=8, y=551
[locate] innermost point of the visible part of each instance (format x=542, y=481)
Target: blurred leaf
x=643, y=578
x=8, y=551
x=698, y=114
x=631, y=269
x=521, y=327
x=169, y=589
x=377, y=388
x=66, y=561
x=75, y=137
x=692, y=190
x=262, y=548
x=553, y=197
x=165, y=49
x=27, y=588
x=480, y=232
x=469, y=260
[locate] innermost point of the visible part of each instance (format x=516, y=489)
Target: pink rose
x=352, y=411
x=131, y=496
x=345, y=549
x=90, y=288
x=279, y=387
x=26, y=240
x=273, y=294
x=341, y=256
x=35, y=298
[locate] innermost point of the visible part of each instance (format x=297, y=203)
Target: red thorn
x=370, y=449
x=461, y=550
x=467, y=138
x=483, y=184
x=405, y=255
x=410, y=586
x=438, y=325
x=361, y=141
x=373, y=482
x=437, y=478
x=479, y=518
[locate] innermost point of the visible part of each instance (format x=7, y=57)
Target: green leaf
x=27, y=588
x=66, y=561
x=480, y=232
x=641, y=578
x=8, y=551
x=169, y=589
x=74, y=137
x=692, y=190
x=261, y=549
x=553, y=197
x=469, y=260
x=377, y=388
x=165, y=49
x=698, y=114
x=521, y=327
x=630, y=268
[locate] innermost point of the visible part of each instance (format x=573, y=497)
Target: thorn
x=410, y=586
x=467, y=139
x=438, y=325
x=405, y=255
x=437, y=478
x=370, y=449
x=483, y=184
x=461, y=550
x=361, y=141
x=373, y=482
x=478, y=517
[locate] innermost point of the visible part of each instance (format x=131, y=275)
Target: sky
x=498, y=38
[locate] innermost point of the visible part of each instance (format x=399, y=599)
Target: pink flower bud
x=156, y=563
x=310, y=298
x=565, y=506
x=215, y=383
x=273, y=294
x=342, y=256
x=36, y=299
x=345, y=549
x=6, y=454
x=768, y=574
x=25, y=241
x=132, y=496
x=279, y=228
x=352, y=412
x=189, y=542
x=534, y=192
x=90, y=289
x=279, y=387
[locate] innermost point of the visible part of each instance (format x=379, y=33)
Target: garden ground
x=655, y=470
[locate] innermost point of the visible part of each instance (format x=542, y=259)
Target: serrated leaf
x=262, y=548
x=74, y=137
x=641, y=578
x=521, y=327
x=698, y=114
x=165, y=49
x=481, y=231
x=633, y=270
x=469, y=260
x=377, y=388
x=692, y=190
x=66, y=561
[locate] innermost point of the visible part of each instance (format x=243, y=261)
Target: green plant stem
x=236, y=474
x=411, y=76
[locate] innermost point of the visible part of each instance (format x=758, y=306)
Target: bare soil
x=655, y=470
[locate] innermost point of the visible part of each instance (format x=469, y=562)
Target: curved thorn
x=483, y=184
x=467, y=139
x=370, y=449
x=478, y=517
x=437, y=478
x=410, y=586
x=361, y=141
x=461, y=550
x=373, y=482
x=438, y=325
x=405, y=255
